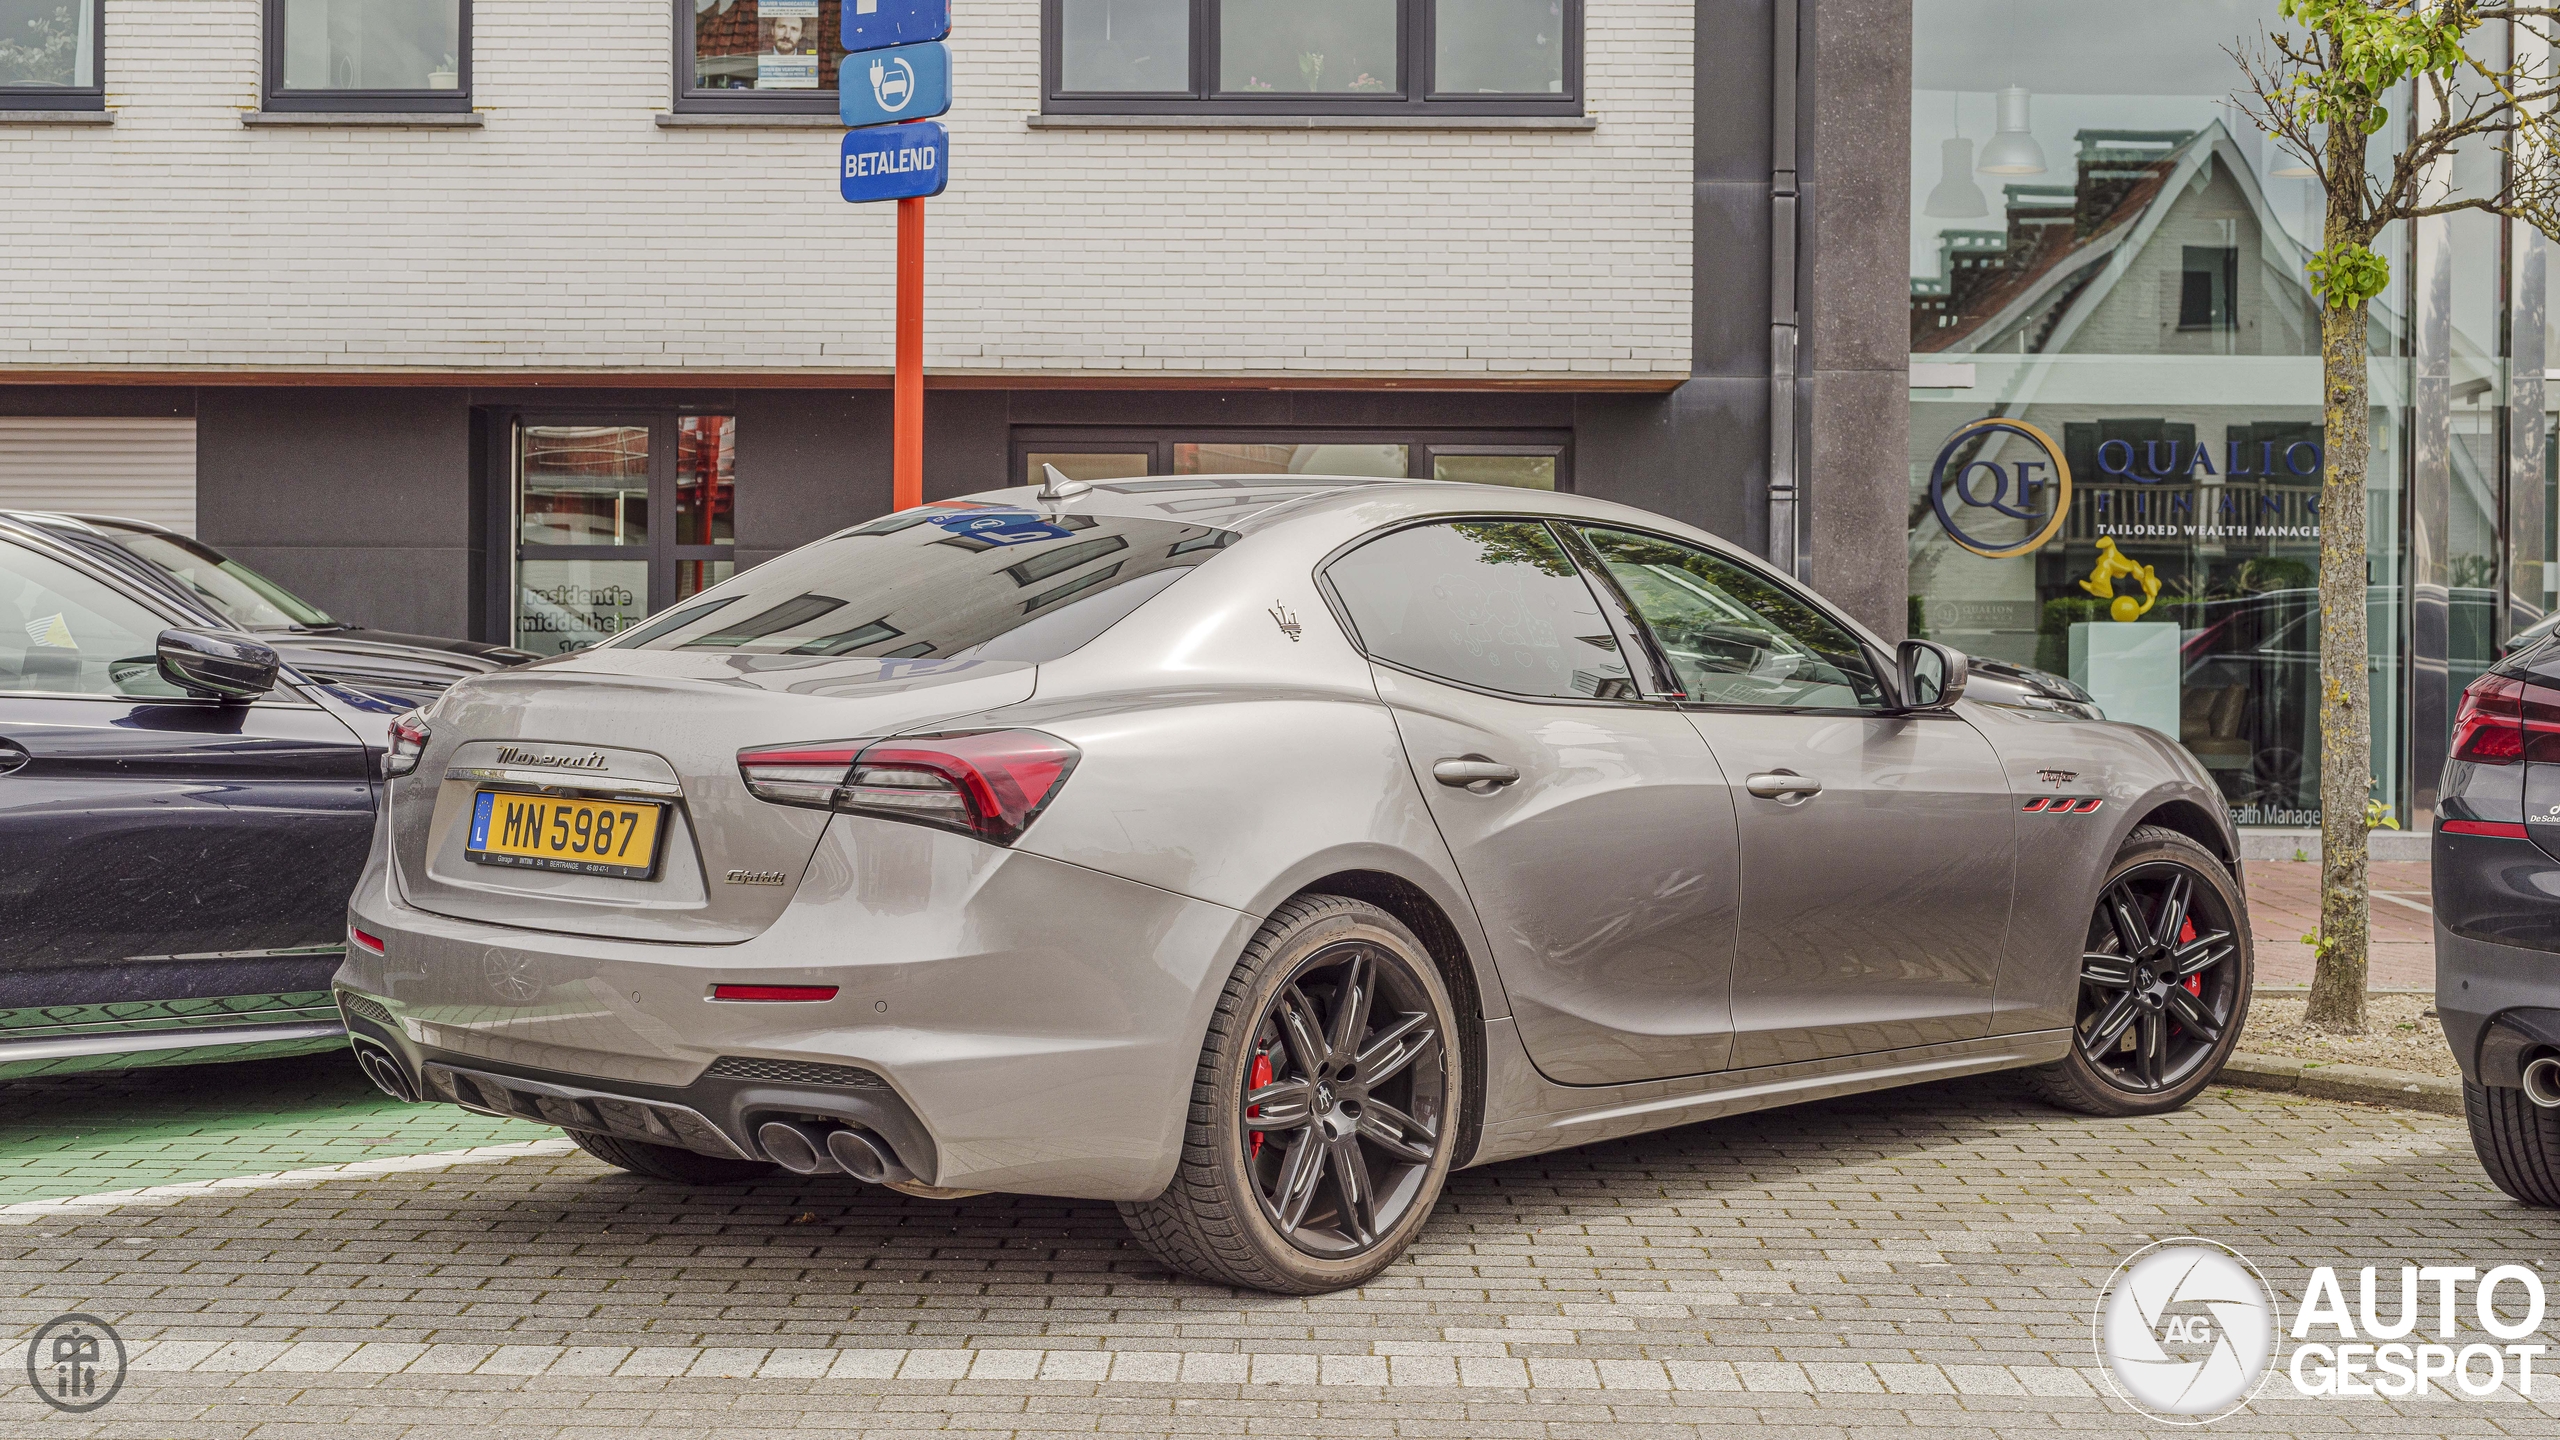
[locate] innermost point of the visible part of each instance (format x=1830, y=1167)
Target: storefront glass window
x=1086, y=465
x=1124, y=47
x=48, y=43
x=590, y=562
x=372, y=45
x=1522, y=471
x=1307, y=46
x=1229, y=459
x=584, y=484
x=2108, y=283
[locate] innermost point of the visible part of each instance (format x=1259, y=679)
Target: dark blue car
x=181, y=819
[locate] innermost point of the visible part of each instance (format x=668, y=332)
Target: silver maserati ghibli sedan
x=1252, y=851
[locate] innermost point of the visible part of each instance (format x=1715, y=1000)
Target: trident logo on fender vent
x=2062, y=805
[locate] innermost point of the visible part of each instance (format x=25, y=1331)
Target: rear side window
x=960, y=581
x=1496, y=604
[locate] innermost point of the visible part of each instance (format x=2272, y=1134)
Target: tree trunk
x=2346, y=716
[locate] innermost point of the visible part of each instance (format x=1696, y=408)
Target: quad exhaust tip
x=816, y=1149
x=2542, y=1082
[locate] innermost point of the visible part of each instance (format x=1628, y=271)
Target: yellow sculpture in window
x=2113, y=564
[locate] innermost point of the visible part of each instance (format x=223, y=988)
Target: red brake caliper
x=2186, y=936
x=1258, y=1077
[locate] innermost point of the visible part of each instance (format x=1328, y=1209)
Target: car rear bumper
x=1017, y=1023
x=2477, y=982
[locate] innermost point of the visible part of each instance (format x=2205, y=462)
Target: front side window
x=63, y=633
x=954, y=582
x=1734, y=636
x=1315, y=56
x=368, y=55
x=1495, y=604
x=49, y=55
x=758, y=55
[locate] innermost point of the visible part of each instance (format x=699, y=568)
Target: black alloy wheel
x=1324, y=1109
x=1340, y=1124
x=2163, y=986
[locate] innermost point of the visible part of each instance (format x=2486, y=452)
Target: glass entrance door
x=617, y=519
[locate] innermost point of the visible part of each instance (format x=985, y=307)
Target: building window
x=49, y=55
x=768, y=56
x=1467, y=57
x=1524, y=459
x=370, y=55
x=617, y=518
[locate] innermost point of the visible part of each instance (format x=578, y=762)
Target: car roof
x=1254, y=504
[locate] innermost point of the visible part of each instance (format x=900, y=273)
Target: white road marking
x=27, y=1212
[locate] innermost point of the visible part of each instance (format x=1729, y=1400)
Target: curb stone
x=2344, y=1082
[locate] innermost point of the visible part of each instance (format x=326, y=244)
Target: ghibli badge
x=755, y=877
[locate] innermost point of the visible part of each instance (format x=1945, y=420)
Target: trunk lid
x=645, y=727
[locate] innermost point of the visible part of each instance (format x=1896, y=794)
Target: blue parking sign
x=906, y=82
x=876, y=24
x=896, y=162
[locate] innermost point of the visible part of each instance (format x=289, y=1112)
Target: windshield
x=252, y=600
x=957, y=581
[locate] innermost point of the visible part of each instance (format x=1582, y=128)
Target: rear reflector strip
x=2497, y=829
x=773, y=992
x=364, y=941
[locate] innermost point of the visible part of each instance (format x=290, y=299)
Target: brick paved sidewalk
x=2284, y=906
x=1921, y=1260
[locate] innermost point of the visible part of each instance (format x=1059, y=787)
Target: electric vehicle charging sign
x=905, y=82
x=877, y=24
x=896, y=162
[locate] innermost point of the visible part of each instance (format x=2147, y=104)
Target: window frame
x=275, y=97
x=1421, y=443
x=1417, y=58
x=1887, y=669
x=1635, y=644
x=690, y=100
x=91, y=96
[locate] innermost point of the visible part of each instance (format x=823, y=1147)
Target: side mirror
x=217, y=665
x=1933, y=676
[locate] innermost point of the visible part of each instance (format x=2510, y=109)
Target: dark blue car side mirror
x=219, y=666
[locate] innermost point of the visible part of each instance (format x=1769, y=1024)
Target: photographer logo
x=2185, y=1329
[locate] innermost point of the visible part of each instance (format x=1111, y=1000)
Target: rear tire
x=2138, y=1043
x=1371, y=1093
x=666, y=1162
x=2518, y=1142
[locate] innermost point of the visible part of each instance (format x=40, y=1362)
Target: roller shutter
x=141, y=469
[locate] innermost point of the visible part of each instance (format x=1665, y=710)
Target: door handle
x=12, y=757
x=1782, y=785
x=1474, y=773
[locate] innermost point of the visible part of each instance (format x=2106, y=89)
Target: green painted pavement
x=119, y=1130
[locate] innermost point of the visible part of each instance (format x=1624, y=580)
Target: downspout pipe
x=1784, y=521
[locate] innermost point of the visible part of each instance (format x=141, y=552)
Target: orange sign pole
x=906, y=446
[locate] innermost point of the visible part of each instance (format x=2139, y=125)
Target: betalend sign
x=896, y=162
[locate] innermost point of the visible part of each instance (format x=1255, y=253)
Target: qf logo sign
x=2034, y=489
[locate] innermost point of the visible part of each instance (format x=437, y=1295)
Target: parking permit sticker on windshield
x=51, y=633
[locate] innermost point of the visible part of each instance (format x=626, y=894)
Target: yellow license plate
x=555, y=832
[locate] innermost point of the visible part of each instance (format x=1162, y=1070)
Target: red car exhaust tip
x=773, y=992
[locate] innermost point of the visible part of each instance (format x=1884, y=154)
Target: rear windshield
x=958, y=581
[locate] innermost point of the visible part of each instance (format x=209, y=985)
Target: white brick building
x=361, y=293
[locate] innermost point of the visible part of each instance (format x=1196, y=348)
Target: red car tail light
x=365, y=940
x=408, y=742
x=2488, y=729
x=991, y=784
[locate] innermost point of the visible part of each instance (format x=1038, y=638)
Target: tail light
x=2488, y=729
x=408, y=742
x=991, y=784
